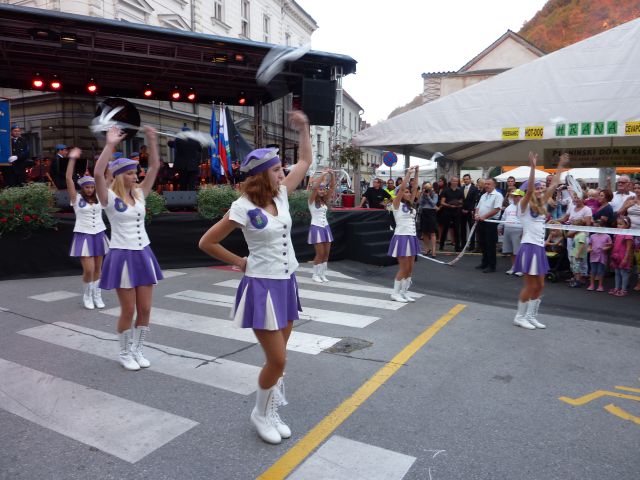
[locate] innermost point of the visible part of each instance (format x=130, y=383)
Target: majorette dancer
x=267, y=297
x=90, y=242
x=404, y=243
x=130, y=266
x=320, y=232
x=532, y=257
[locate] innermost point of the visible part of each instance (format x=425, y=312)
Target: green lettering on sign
x=598, y=128
x=585, y=128
x=573, y=129
x=561, y=130
x=612, y=128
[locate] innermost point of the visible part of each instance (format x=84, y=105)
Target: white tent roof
x=521, y=174
x=398, y=168
x=589, y=175
x=595, y=80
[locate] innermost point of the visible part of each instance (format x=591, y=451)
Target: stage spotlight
x=37, y=82
x=191, y=96
x=148, y=91
x=239, y=57
x=242, y=99
x=175, y=93
x=55, y=83
x=92, y=86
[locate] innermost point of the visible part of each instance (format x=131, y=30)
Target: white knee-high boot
x=96, y=293
x=87, y=297
x=532, y=313
x=261, y=415
x=397, y=292
x=323, y=272
x=316, y=273
x=520, y=319
x=406, y=283
x=126, y=359
x=281, y=401
x=139, y=335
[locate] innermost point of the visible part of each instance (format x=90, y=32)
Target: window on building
x=266, y=26
x=287, y=39
x=245, y=9
x=217, y=10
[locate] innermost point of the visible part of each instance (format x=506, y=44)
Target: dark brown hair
x=608, y=194
x=259, y=190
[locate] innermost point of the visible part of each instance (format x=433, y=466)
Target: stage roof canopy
x=123, y=57
x=584, y=99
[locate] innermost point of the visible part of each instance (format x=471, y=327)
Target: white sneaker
x=87, y=297
x=509, y=272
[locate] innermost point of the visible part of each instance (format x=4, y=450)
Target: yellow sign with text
x=533, y=133
x=632, y=128
x=511, y=133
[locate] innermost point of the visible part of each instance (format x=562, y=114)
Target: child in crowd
x=599, y=245
x=621, y=258
x=578, y=256
x=555, y=240
x=593, y=200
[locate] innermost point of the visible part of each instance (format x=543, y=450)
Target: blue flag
x=216, y=168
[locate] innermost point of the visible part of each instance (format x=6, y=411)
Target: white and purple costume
x=319, y=231
x=130, y=262
x=532, y=257
x=89, y=237
x=405, y=242
x=267, y=297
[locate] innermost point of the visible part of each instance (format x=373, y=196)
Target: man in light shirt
x=623, y=192
x=488, y=208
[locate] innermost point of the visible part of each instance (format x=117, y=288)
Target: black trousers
x=188, y=179
x=487, y=235
x=451, y=218
x=467, y=223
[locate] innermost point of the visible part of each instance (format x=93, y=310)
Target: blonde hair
x=536, y=205
x=117, y=186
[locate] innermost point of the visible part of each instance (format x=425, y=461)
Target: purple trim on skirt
x=129, y=269
x=89, y=244
x=265, y=303
x=404, y=246
x=531, y=259
x=319, y=234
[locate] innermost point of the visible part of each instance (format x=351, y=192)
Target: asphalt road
x=476, y=398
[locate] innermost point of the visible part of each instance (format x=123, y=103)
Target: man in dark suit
x=188, y=155
x=451, y=201
x=16, y=174
x=471, y=195
x=59, y=166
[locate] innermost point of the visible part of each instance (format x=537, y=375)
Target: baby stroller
x=559, y=266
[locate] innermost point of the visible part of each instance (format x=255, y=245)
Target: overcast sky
x=394, y=42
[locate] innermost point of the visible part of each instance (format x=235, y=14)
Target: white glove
x=12, y=158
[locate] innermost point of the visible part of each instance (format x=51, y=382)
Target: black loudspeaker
x=319, y=101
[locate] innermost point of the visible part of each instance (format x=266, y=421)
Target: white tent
x=521, y=174
x=579, y=90
x=589, y=175
x=398, y=169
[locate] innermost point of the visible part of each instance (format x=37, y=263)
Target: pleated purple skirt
x=265, y=303
x=129, y=269
x=531, y=260
x=319, y=234
x=404, y=246
x=89, y=244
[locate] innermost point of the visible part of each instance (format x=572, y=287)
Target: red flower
x=27, y=218
x=17, y=206
x=3, y=220
x=34, y=216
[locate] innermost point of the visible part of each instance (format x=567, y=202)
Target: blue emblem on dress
x=405, y=208
x=82, y=203
x=258, y=218
x=120, y=205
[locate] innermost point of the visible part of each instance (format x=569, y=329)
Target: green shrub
x=299, y=206
x=155, y=205
x=25, y=209
x=215, y=200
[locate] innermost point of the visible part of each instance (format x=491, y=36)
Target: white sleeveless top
x=271, y=253
x=318, y=215
x=88, y=216
x=127, y=222
x=405, y=220
x=532, y=227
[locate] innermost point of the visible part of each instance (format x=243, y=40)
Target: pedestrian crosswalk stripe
x=328, y=273
x=172, y=273
x=343, y=459
x=54, y=296
x=298, y=341
x=354, y=286
x=221, y=373
x=122, y=428
x=353, y=320
x=332, y=297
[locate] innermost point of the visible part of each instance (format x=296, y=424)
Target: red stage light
x=191, y=96
x=37, y=82
x=175, y=93
x=148, y=92
x=55, y=83
x=92, y=87
x=242, y=100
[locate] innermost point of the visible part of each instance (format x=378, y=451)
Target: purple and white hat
x=86, y=180
x=122, y=165
x=259, y=160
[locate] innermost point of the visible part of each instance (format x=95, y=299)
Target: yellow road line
x=628, y=389
x=618, y=412
x=597, y=394
x=301, y=450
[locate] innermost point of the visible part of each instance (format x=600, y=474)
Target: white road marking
x=224, y=374
x=54, y=296
x=298, y=341
x=343, y=459
x=355, y=286
x=329, y=273
x=316, y=314
x=172, y=273
x=119, y=427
